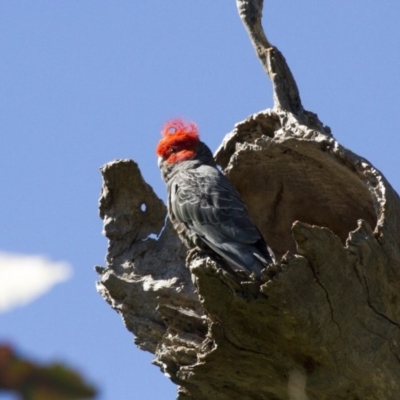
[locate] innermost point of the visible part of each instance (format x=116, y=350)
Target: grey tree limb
x=324, y=322
x=286, y=93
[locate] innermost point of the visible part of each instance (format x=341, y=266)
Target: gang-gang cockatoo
x=203, y=206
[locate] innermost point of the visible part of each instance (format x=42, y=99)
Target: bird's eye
x=172, y=150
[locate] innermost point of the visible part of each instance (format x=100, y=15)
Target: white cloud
x=23, y=278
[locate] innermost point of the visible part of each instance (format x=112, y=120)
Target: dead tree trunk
x=321, y=324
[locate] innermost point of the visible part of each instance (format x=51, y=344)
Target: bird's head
x=180, y=142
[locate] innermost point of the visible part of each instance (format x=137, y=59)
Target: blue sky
x=85, y=82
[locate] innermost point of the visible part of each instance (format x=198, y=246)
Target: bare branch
x=286, y=93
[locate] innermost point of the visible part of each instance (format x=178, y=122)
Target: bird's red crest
x=179, y=142
x=178, y=127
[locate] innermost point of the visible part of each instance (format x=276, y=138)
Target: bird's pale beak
x=159, y=161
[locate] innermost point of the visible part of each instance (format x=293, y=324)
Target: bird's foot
x=272, y=271
x=197, y=252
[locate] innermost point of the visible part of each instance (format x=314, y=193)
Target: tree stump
x=323, y=322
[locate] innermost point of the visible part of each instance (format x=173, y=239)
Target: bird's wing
x=206, y=202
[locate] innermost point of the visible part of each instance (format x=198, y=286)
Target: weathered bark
x=323, y=323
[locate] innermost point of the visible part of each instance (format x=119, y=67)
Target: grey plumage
x=206, y=209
